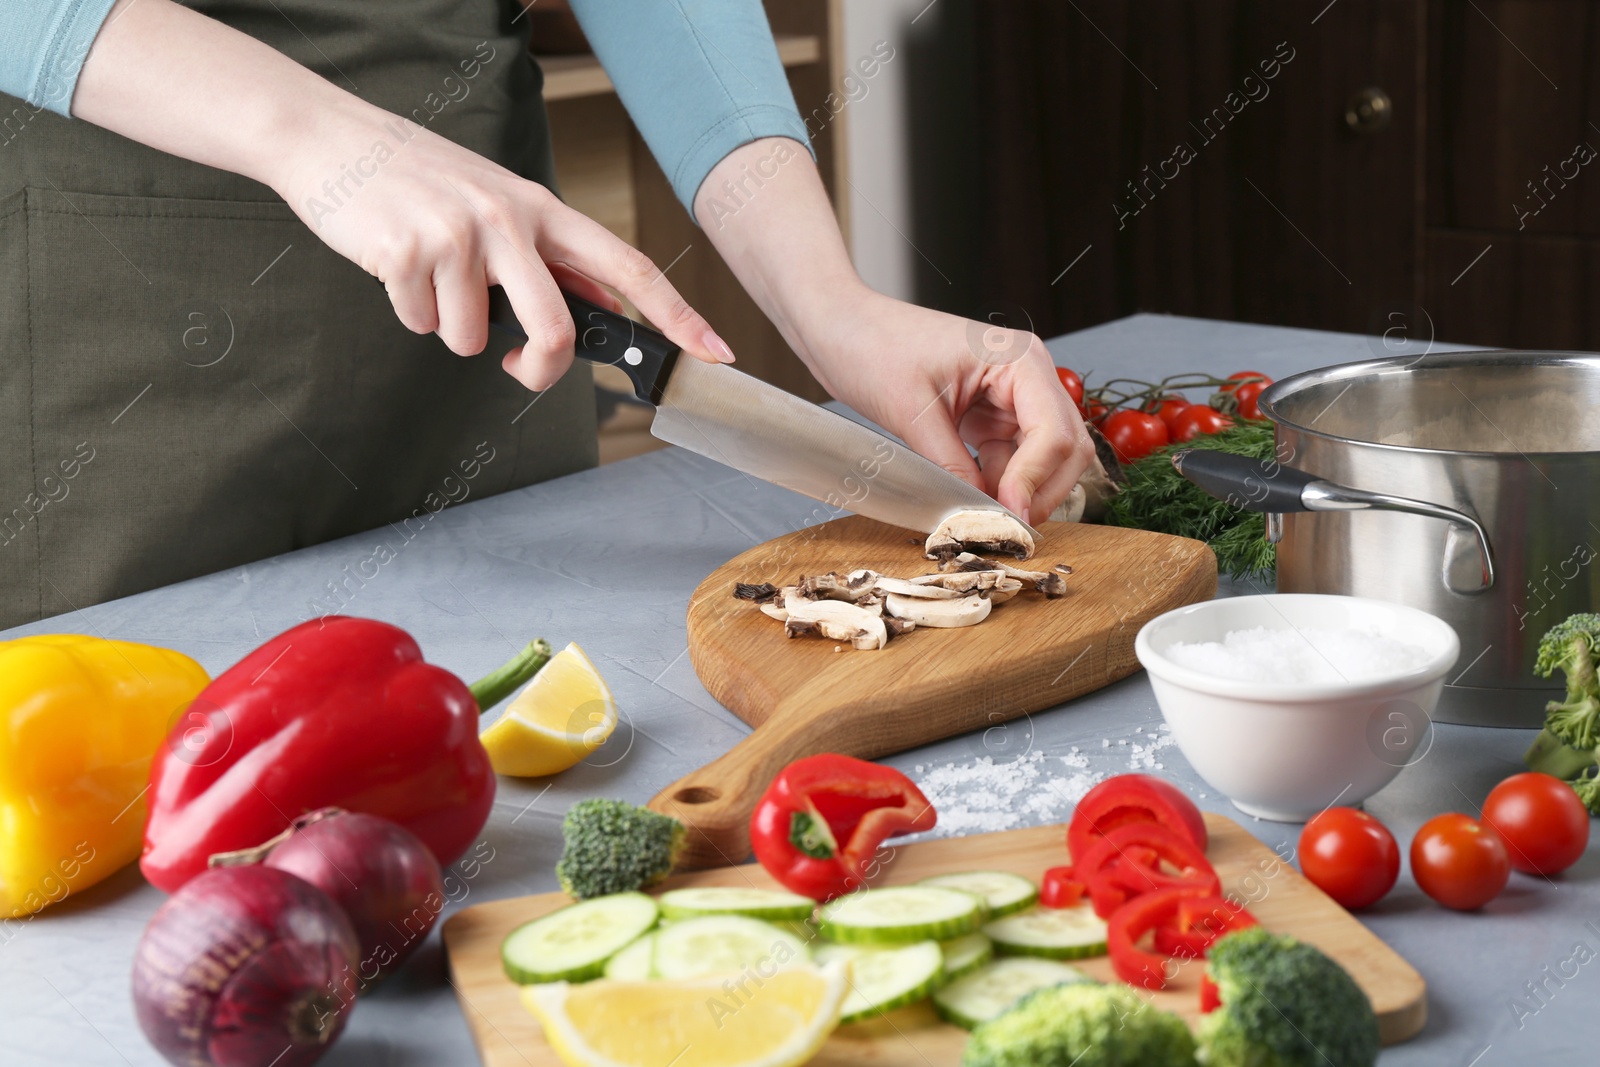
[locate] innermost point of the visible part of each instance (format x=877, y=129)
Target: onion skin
x=380, y=873
x=245, y=967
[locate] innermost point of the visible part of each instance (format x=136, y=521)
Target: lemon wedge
x=564, y=714
x=779, y=1020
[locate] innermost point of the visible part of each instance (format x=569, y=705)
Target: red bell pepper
x=1183, y=909
x=820, y=821
x=1199, y=922
x=1060, y=888
x=1210, y=995
x=1138, y=858
x=336, y=712
x=1133, y=798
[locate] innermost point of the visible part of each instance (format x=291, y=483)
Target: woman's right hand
x=438, y=225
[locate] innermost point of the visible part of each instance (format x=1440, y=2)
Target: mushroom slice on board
x=907, y=587
x=980, y=530
x=835, y=586
x=1003, y=590
x=967, y=611
x=862, y=627
x=961, y=582
x=1051, y=583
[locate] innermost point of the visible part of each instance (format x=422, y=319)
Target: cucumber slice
x=573, y=943
x=1004, y=893
x=1056, y=933
x=898, y=915
x=882, y=979
x=768, y=904
x=632, y=964
x=992, y=989
x=714, y=944
x=965, y=955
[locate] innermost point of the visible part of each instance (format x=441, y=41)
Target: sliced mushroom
x=862, y=627
x=962, y=581
x=967, y=611
x=896, y=627
x=1051, y=583
x=980, y=530
x=907, y=587
x=758, y=592
x=835, y=586
x=1004, y=589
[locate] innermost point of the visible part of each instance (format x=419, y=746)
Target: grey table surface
x=608, y=558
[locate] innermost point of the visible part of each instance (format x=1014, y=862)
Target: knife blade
x=758, y=429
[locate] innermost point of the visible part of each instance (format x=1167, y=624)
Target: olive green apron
x=190, y=380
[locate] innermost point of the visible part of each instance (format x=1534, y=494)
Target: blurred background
x=1411, y=168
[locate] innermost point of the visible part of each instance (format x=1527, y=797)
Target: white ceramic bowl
x=1287, y=751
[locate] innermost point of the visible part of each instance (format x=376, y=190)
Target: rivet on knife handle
x=641, y=353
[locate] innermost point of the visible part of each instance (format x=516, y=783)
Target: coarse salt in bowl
x=1289, y=703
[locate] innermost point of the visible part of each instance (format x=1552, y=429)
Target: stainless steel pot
x=1461, y=483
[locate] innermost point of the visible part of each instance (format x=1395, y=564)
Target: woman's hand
x=940, y=383
x=436, y=223
x=937, y=381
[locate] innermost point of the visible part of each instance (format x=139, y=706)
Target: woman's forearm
x=191, y=86
x=765, y=210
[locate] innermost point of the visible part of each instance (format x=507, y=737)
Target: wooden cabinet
x=1338, y=165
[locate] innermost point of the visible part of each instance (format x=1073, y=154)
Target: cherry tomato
x=1071, y=383
x=1239, y=377
x=1197, y=419
x=1350, y=856
x=1247, y=395
x=1459, y=861
x=1135, y=434
x=1544, y=824
x=1094, y=411
x=1168, y=409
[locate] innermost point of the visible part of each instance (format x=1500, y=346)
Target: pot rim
x=1283, y=389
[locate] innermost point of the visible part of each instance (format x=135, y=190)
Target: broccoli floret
x=1570, y=646
x=1284, y=1004
x=1082, y=1024
x=1587, y=786
x=614, y=847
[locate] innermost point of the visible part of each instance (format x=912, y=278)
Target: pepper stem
x=495, y=686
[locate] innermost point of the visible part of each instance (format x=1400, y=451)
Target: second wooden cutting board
x=803, y=697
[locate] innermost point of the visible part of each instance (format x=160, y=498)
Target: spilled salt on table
x=1299, y=656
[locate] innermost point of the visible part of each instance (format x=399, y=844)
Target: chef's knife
x=740, y=421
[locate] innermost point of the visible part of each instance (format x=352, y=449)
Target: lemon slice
x=564, y=714
x=776, y=1020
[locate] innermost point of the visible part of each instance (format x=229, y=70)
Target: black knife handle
x=1251, y=484
x=641, y=353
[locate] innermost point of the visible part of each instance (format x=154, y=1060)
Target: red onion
x=380, y=873
x=244, y=967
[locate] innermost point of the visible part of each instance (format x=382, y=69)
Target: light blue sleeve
x=699, y=77
x=43, y=44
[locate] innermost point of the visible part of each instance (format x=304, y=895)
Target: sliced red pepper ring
x=1140, y=858
x=819, y=823
x=1210, y=995
x=1060, y=888
x=1184, y=909
x=1198, y=924
x=1133, y=798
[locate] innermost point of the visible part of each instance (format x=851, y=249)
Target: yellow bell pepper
x=80, y=719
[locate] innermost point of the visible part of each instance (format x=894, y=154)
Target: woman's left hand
x=941, y=382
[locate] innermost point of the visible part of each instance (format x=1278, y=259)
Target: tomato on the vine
x=1094, y=412
x=1197, y=419
x=1350, y=856
x=1167, y=409
x=1240, y=377
x=1135, y=434
x=1071, y=383
x=1459, y=861
x=1247, y=396
x=1544, y=824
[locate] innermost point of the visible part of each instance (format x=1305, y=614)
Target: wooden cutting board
x=1284, y=902
x=803, y=697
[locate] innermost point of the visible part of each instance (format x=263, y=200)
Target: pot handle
x=1267, y=485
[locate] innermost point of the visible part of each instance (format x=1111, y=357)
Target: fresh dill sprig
x=1156, y=497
